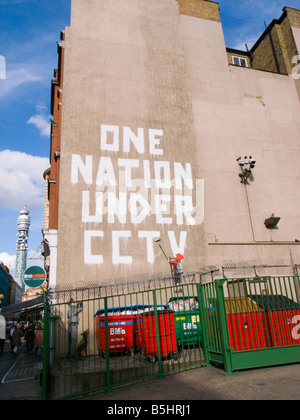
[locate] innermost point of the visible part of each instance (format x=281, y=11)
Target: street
x=19, y=376
x=19, y=380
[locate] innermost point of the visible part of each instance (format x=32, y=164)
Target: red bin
x=248, y=331
x=282, y=315
x=147, y=334
x=283, y=330
x=120, y=332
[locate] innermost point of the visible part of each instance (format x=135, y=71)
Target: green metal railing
x=97, y=339
x=255, y=323
x=98, y=343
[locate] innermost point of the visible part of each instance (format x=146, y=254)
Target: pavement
x=274, y=383
x=19, y=380
x=20, y=376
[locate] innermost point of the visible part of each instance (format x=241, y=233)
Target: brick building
x=151, y=113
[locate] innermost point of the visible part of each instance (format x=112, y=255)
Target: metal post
x=45, y=364
x=160, y=371
x=223, y=325
x=108, y=384
x=203, y=323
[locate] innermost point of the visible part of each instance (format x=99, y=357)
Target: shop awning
x=17, y=307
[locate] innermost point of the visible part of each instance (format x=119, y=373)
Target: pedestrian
x=17, y=335
x=12, y=329
x=38, y=339
x=2, y=341
x=30, y=337
x=2, y=333
x=177, y=268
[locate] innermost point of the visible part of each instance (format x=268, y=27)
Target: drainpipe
x=273, y=48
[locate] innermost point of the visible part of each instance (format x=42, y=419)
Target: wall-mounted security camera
x=240, y=161
x=246, y=165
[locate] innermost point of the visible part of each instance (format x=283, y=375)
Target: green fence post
x=108, y=384
x=223, y=325
x=46, y=352
x=160, y=370
x=205, y=338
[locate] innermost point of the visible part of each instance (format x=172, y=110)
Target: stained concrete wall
x=242, y=112
x=164, y=76
x=125, y=67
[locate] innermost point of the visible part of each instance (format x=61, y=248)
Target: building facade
x=11, y=290
x=4, y=283
x=160, y=132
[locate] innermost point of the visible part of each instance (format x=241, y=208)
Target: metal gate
x=252, y=322
x=102, y=337
x=97, y=339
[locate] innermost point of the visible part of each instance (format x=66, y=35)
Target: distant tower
x=21, y=260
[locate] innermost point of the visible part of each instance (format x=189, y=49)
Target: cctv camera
x=252, y=163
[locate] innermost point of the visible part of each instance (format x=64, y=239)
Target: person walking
x=30, y=337
x=12, y=329
x=16, y=337
x=38, y=339
x=2, y=333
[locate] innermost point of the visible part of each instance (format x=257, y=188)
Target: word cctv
x=135, y=192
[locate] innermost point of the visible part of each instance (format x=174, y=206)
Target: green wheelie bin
x=187, y=320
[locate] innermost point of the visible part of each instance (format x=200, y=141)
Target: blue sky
x=29, y=31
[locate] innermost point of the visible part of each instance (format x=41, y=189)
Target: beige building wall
x=241, y=112
x=125, y=67
x=149, y=95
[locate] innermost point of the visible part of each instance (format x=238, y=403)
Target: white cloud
x=9, y=261
x=41, y=122
x=241, y=45
x=244, y=21
x=21, y=180
x=16, y=78
x=33, y=258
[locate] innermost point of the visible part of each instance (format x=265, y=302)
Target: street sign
x=34, y=276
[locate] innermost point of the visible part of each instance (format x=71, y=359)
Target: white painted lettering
x=113, y=130
x=117, y=207
x=128, y=165
x=154, y=141
x=116, y=237
x=86, y=169
x=138, y=216
x=149, y=236
x=106, y=172
x=177, y=248
x=185, y=174
x=97, y=217
x=89, y=258
x=162, y=181
x=184, y=207
x=137, y=141
x=161, y=207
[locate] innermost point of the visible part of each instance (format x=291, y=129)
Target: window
x=239, y=61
